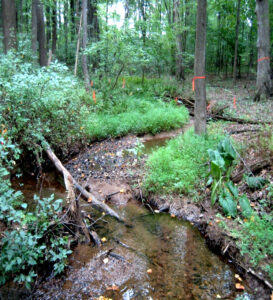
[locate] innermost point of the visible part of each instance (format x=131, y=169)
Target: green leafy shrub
x=27, y=241
x=181, y=164
x=39, y=102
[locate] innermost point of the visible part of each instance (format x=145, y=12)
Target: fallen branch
x=69, y=180
x=254, y=168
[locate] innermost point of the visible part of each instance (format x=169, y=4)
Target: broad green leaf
x=245, y=206
x=228, y=204
x=226, y=149
x=232, y=188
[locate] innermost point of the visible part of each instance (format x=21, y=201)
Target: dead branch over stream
x=70, y=181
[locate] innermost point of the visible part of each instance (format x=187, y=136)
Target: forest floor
x=114, y=169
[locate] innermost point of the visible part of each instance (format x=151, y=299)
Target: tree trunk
x=264, y=84
x=9, y=24
x=41, y=33
x=199, y=69
x=48, y=27
x=54, y=28
x=34, y=27
x=236, y=42
x=92, y=20
x=84, y=42
x=179, y=70
x=66, y=29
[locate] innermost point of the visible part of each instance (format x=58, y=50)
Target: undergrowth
x=255, y=239
x=182, y=164
x=133, y=115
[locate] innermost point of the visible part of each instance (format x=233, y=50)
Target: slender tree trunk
x=199, y=69
x=84, y=43
x=34, y=27
x=236, y=42
x=48, y=27
x=9, y=24
x=264, y=83
x=41, y=34
x=66, y=28
x=54, y=28
x=250, y=58
x=179, y=70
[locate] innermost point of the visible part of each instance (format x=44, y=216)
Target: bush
x=181, y=165
x=39, y=102
x=27, y=241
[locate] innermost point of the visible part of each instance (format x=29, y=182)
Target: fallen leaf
x=104, y=239
x=238, y=277
x=149, y=271
x=106, y=260
x=239, y=286
x=89, y=199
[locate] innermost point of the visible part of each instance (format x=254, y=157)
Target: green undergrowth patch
x=133, y=115
x=254, y=237
x=182, y=164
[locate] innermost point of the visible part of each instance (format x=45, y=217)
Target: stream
x=154, y=256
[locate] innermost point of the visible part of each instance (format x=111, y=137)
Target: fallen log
x=69, y=180
x=254, y=168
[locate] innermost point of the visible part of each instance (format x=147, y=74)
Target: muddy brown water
x=155, y=257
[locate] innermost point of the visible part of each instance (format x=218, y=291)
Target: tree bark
x=199, y=69
x=236, y=42
x=264, y=83
x=54, y=28
x=84, y=43
x=41, y=33
x=34, y=27
x=9, y=24
x=179, y=70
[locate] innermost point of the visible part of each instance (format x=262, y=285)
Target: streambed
x=156, y=257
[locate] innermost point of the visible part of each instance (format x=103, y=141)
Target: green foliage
x=38, y=103
x=255, y=183
x=221, y=162
x=255, y=238
x=27, y=240
x=133, y=115
x=181, y=164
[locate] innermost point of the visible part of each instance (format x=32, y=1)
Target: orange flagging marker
x=176, y=99
x=123, y=83
x=264, y=58
x=234, y=102
x=94, y=96
x=91, y=83
x=194, y=78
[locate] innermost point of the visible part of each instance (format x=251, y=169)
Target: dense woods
x=77, y=74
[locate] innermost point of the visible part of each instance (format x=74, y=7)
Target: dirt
x=110, y=169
